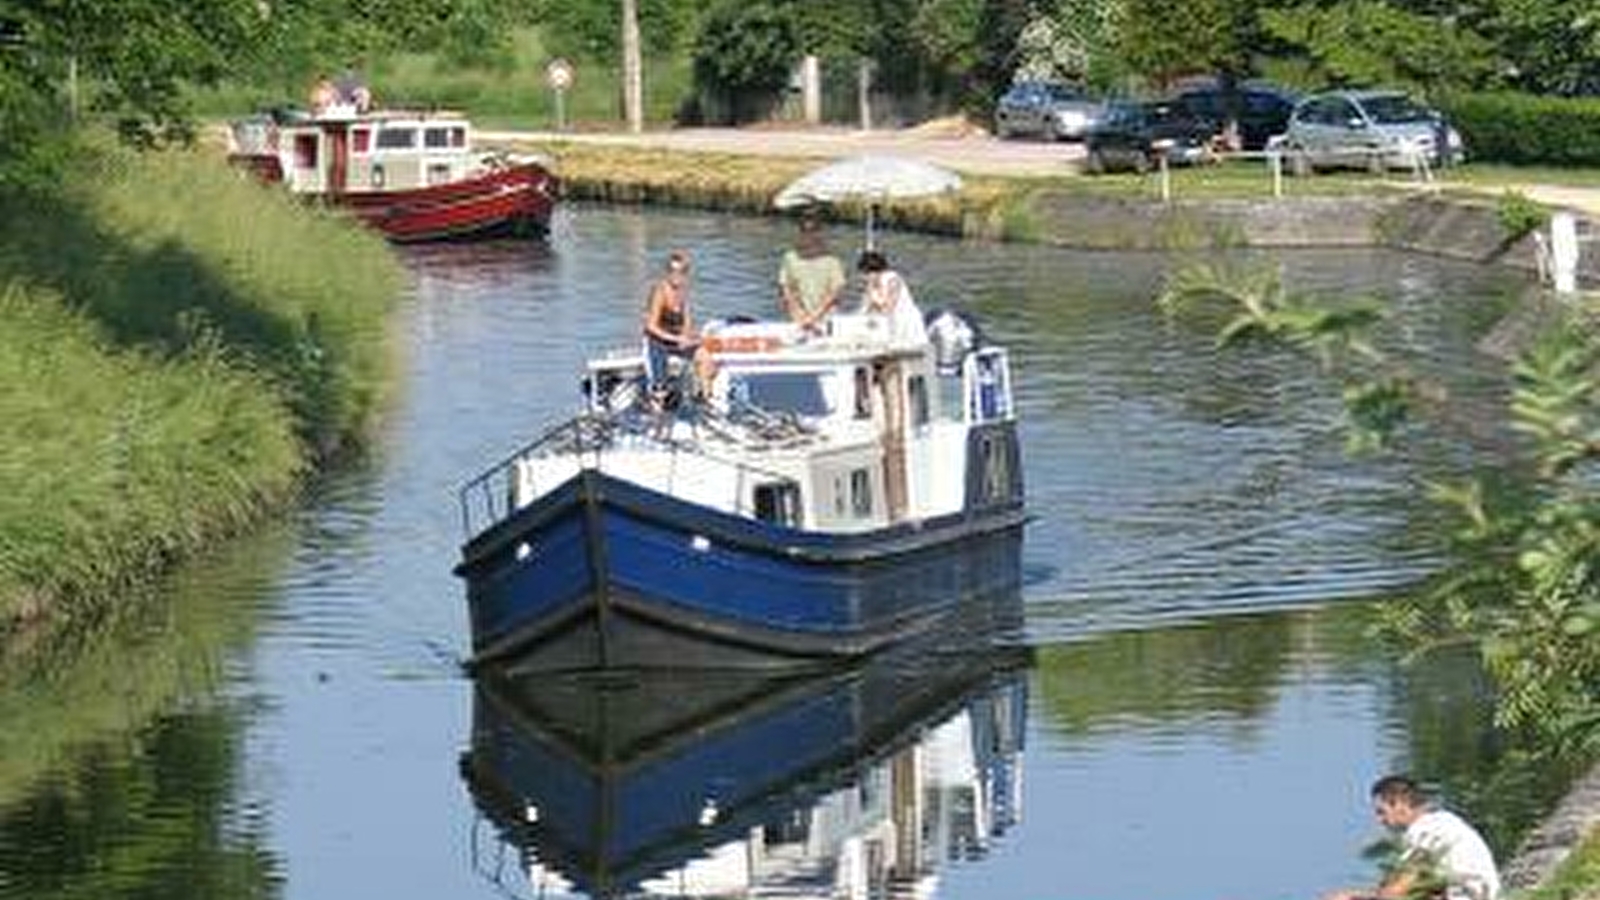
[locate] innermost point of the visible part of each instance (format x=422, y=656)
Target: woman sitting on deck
x=669, y=331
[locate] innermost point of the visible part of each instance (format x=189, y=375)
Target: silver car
x=1046, y=109
x=1374, y=130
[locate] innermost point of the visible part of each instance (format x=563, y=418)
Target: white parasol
x=872, y=179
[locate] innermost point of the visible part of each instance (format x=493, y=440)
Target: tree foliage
x=591, y=29
x=745, y=55
x=1376, y=42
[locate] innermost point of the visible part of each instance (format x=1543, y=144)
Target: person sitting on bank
x=669, y=330
x=1434, y=844
x=809, y=277
x=885, y=293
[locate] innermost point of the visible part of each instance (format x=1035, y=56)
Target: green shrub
x=1523, y=129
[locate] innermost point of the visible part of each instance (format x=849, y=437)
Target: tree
x=1375, y=42
x=744, y=56
x=632, y=83
x=1165, y=41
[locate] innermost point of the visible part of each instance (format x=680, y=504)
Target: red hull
x=517, y=199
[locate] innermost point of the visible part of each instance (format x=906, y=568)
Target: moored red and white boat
x=413, y=175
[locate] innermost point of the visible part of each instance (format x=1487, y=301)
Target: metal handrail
x=488, y=498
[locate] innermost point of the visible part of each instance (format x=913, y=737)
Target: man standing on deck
x=1434, y=845
x=810, y=278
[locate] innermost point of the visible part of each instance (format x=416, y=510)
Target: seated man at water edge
x=885, y=293
x=669, y=329
x=1434, y=844
x=809, y=277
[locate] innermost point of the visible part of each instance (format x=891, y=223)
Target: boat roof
x=294, y=115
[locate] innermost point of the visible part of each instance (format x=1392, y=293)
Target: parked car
x=1135, y=135
x=1046, y=109
x=1260, y=110
x=1375, y=130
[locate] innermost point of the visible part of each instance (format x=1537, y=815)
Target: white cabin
x=849, y=431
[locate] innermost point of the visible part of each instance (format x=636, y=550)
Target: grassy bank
x=167, y=375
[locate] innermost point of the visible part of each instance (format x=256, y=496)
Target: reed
x=118, y=461
x=167, y=375
x=735, y=183
x=172, y=251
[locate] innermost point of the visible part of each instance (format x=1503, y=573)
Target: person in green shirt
x=810, y=278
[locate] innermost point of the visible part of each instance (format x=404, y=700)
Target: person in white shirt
x=886, y=294
x=1435, y=844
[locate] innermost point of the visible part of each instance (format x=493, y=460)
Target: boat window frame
x=861, y=500
x=782, y=506
x=381, y=144
x=442, y=132
x=918, y=401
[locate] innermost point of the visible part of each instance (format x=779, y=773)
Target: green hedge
x=1525, y=129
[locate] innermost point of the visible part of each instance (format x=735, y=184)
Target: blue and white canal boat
x=829, y=495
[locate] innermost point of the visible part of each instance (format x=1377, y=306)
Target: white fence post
x=1564, y=251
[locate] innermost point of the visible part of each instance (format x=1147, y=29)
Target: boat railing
x=492, y=496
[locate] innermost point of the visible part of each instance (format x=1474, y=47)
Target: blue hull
x=601, y=573
x=615, y=782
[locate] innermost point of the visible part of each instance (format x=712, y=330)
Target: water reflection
x=851, y=783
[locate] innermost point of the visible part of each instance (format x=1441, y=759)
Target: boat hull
x=601, y=573
x=514, y=200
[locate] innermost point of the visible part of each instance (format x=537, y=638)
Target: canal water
x=1192, y=707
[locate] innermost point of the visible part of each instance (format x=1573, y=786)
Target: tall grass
x=180, y=345
x=116, y=461
x=510, y=94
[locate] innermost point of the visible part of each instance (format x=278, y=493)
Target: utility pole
x=632, y=82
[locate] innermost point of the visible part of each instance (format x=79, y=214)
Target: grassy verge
x=167, y=375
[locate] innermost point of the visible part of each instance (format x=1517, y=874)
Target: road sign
x=559, y=74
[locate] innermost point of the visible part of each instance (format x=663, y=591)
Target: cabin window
x=361, y=140
x=305, y=151
x=838, y=497
x=863, y=383
x=778, y=503
x=458, y=136
x=780, y=392
x=397, y=138
x=995, y=456
x=861, y=493
x=438, y=173
x=918, y=388
x=435, y=138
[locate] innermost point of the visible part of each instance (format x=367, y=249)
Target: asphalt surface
x=972, y=152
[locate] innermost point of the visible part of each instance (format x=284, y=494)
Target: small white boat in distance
x=834, y=493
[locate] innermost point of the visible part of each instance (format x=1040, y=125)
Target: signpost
x=558, y=74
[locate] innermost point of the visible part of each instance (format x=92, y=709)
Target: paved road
x=970, y=153
x=967, y=151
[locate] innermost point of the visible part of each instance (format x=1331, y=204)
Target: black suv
x=1137, y=136
x=1260, y=109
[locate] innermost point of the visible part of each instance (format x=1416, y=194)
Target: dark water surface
x=1192, y=709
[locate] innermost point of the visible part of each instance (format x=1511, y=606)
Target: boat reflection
x=852, y=783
